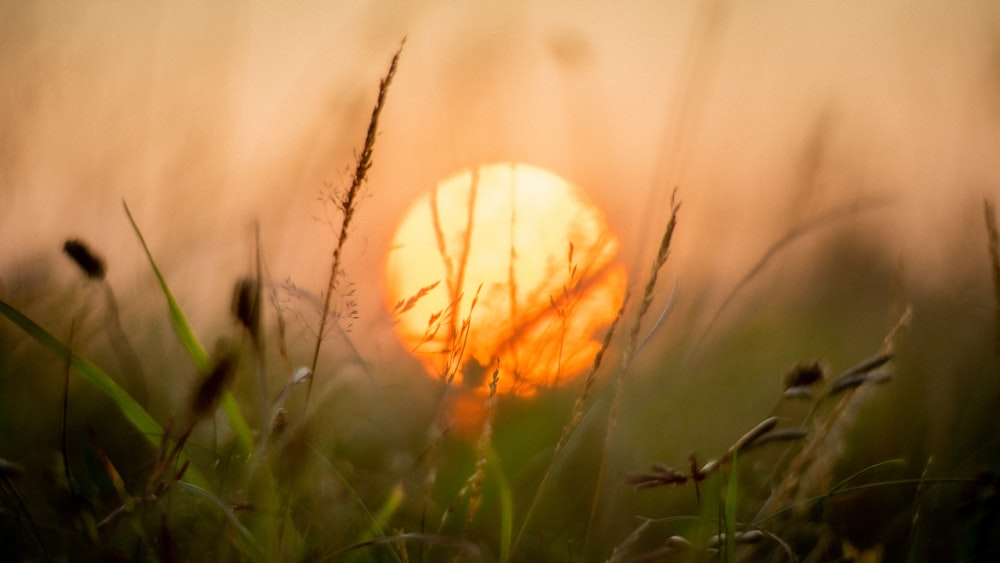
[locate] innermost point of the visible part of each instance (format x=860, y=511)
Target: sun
x=506, y=265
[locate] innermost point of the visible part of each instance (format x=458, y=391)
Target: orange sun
x=505, y=265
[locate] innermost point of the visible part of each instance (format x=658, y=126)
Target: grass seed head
x=746, y=537
x=279, y=422
x=209, y=392
x=91, y=264
x=805, y=374
x=245, y=306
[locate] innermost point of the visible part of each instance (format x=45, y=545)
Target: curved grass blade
x=797, y=232
x=466, y=547
x=194, y=347
x=133, y=411
x=732, y=497
x=376, y=521
x=228, y=511
x=843, y=483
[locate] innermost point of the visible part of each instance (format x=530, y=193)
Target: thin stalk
x=348, y=204
x=65, y=404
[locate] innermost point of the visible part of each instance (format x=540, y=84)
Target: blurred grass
x=388, y=469
x=191, y=343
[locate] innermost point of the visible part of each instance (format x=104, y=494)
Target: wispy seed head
x=91, y=264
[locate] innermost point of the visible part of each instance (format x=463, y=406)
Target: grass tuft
x=402, y=479
x=193, y=346
x=132, y=410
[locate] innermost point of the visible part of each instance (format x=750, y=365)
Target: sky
x=764, y=117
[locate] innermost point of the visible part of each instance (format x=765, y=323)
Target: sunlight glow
x=504, y=265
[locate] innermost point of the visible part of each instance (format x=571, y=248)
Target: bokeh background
x=845, y=148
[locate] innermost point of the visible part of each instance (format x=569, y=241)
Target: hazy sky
x=205, y=116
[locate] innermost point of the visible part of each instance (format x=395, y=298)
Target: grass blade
x=378, y=521
x=228, y=511
x=797, y=232
x=194, y=347
x=732, y=496
x=506, y=503
x=177, y=318
x=132, y=410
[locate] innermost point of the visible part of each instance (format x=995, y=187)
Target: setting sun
x=505, y=265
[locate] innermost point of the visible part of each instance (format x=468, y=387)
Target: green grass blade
x=383, y=517
x=895, y=461
x=243, y=433
x=506, y=503
x=194, y=347
x=732, y=496
x=132, y=410
x=184, y=332
x=229, y=512
x=377, y=522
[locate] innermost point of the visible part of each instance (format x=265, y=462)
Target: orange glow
x=504, y=265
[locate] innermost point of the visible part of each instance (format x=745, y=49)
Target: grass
x=755, y=470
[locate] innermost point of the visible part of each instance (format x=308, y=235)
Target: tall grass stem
x=348, y=203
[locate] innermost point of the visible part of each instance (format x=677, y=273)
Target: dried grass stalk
x=662, y=253
x=348, y=204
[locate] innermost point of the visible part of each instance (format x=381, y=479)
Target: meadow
x=838, y=457
x=804, y=373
